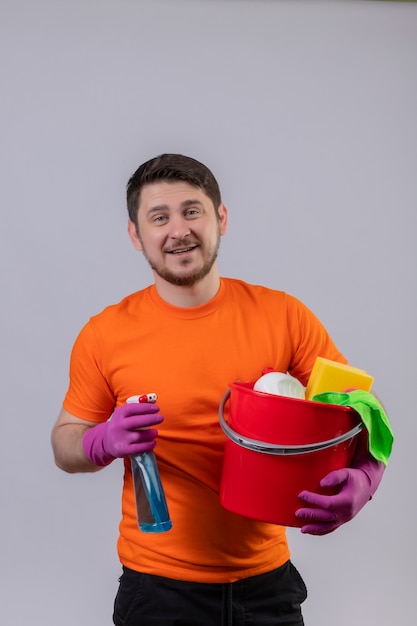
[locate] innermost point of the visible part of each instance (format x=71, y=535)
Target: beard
x=185, y=279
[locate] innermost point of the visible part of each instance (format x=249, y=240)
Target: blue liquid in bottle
x=151, y=506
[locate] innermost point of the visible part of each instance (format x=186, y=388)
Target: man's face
x=178, y=231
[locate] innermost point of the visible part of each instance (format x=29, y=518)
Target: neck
x=189, y=296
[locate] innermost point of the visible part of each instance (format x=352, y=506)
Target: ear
x=222, y=213
x=134, y=238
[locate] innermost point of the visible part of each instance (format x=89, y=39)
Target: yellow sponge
x=328, y=375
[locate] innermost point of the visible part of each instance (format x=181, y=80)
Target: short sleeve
x=310, y=339
x=89, y=395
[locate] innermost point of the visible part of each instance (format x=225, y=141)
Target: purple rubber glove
x=356, y=485
x=121, y=435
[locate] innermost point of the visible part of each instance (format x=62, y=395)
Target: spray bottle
x=151, y=507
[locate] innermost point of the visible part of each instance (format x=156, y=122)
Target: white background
x=306, y=112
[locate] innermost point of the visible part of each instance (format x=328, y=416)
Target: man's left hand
x=355, y=485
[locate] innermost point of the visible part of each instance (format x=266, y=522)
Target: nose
x=179, y=229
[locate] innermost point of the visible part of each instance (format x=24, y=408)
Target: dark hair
x=171, y=168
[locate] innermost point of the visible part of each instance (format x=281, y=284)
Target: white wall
x=306, y=112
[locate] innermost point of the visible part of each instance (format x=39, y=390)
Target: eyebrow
x=165, y=207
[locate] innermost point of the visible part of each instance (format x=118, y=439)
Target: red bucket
x=278, y=446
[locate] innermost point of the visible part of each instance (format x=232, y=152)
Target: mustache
x=187, y=242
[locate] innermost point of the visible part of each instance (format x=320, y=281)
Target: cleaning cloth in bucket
x=373, y=416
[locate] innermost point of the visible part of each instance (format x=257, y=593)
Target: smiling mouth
x=181, y=250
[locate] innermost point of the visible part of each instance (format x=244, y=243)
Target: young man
x=187, y=337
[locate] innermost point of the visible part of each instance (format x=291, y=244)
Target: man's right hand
x=126, y=433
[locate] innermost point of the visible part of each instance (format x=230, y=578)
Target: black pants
x=266, y=600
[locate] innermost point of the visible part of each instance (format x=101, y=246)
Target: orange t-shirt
x=189, y=356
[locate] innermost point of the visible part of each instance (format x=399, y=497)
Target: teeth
x=179, y=251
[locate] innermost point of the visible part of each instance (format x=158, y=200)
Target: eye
x=159, y=219
x=192, y=213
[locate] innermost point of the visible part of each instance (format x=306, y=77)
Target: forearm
x=364, y=461
x=82, y=446
x=68, y=451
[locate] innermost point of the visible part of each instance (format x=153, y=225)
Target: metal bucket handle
x=276, y=448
